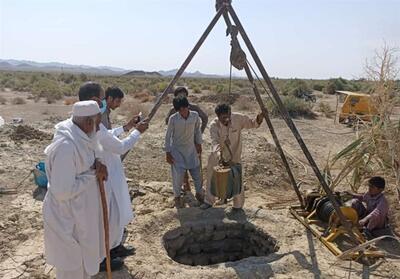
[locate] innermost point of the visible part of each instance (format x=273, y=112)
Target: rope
x=230, y=78
x=22, y=181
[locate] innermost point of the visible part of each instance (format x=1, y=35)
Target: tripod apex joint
x=220, y=3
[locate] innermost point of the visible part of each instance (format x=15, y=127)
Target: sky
x=294, y=38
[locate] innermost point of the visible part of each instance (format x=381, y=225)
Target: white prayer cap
x=85, y=108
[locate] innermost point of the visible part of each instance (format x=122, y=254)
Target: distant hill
x=143, y=74
x=32, y=66
x=196, y=74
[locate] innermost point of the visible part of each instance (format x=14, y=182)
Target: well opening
x=206, y=244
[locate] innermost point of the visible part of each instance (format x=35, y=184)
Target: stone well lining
x=212, y=243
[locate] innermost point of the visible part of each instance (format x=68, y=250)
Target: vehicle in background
x=356, y=106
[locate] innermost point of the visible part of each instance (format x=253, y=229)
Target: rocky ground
x=278, y=246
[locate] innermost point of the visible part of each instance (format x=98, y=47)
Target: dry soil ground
x=268, y=194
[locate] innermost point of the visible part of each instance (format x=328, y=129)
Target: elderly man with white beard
x=118, y=199
x=73, y=227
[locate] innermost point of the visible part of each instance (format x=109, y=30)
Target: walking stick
x=106, y=227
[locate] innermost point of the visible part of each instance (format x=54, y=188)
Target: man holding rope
x=73, y=227
x=226, y=146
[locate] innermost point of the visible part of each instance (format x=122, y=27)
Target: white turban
x=85, y=108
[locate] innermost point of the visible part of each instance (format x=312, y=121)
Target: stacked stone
x=212, y=243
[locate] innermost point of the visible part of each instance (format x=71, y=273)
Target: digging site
x=265, y=241
x=211, y=177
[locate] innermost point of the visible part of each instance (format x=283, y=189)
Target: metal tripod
x=225, y=9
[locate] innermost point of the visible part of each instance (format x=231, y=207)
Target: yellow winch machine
x=319, y=216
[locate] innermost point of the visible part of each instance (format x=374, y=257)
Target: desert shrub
x=67, y=78
x=161, y=86
x=330, y=88
x=318, y=87
x=34, y=78
x=205, y=87
x=3, y=100
x=219, y=88
x=83, y=77
x=196, y=90
x=18, y=101
x=51, y=99
x=47, y=88
x=296, y=88
x=342, y=84
x=296, y=107
x=326, y=109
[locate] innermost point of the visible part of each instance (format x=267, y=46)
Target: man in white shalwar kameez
x=118, y=198
x=120, y=207
x=72, y=213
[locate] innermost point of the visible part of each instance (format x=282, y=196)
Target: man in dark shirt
x=182, y=91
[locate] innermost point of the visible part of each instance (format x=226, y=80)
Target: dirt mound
x=263, y=167
x=26, y=132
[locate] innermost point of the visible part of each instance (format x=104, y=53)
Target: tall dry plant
x=377, y=147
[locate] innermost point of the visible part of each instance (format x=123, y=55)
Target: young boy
x=113, y=100
x=182, y=91
x=375, y=215
x=183, y=147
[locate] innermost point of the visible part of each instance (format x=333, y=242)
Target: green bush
x=196, y=90
x=318, y=87
x=335, y=84
x=47, y=87
x=83, y=77
x=205, y=87
x=296, y=107
x=161, y=86
x=296, y=88
x=330, y=88
x=67, y=78
x=219, y=88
